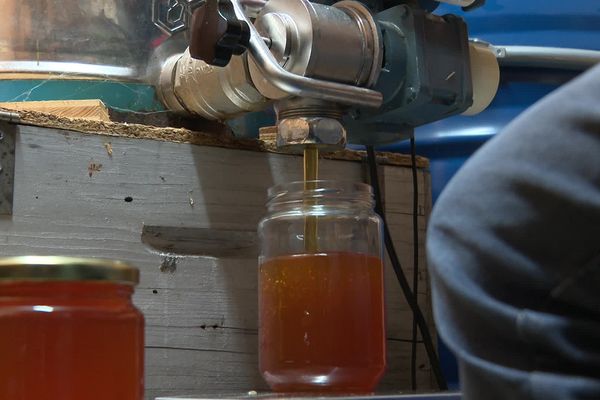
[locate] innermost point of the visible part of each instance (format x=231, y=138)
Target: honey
x=322, y=322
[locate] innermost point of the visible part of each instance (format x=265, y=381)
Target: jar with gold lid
x=69, y=330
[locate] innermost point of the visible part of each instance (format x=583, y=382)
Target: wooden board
x=181, y=135
x=93, y=110
x=72, y=197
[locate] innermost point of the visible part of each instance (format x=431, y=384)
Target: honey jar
x=321, y=299
x=69, y=330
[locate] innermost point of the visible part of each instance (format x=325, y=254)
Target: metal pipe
x=302, y=86
x=546, y=57
x=9, y=116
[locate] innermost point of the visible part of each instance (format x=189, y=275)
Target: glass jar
x=321, y=300
x=69, y=330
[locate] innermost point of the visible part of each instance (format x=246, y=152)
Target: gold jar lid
x=33, y=268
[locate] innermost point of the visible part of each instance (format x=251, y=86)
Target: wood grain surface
x=93, y=110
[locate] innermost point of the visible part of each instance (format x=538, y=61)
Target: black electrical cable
x=415, y=222
x=410, y=298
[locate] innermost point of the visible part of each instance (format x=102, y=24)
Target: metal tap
x=335, y=74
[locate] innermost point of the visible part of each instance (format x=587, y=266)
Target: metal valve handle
x=217, y=34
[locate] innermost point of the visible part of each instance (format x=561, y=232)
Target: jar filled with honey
x=69, y=330
x=321, y=300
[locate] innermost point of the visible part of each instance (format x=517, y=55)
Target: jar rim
x=320, y=189
x=36, y=268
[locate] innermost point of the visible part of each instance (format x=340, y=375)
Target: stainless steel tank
x=112, y=39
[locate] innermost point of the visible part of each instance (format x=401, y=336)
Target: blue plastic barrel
x=553, y=23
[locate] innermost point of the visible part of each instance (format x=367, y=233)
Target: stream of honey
x=311, y=174
x=322, y=322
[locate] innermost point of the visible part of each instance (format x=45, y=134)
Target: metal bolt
x=328, y=134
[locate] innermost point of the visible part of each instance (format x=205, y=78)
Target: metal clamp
x=302, y=86
x=7, y=166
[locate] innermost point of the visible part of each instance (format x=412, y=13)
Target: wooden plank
x=181, y=135
x=93, y=110
x=398, y=196
x=200, y=304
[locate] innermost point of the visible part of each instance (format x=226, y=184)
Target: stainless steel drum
x=92, y=38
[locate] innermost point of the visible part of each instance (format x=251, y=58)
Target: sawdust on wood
x=181, y=135
x=76, y=109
